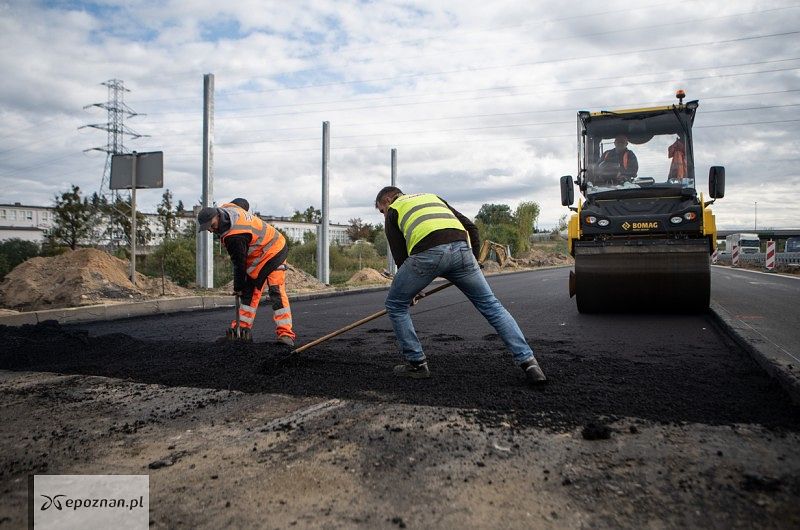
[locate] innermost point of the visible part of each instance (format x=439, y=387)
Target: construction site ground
x=657, y=421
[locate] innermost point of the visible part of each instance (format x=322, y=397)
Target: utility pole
x=205, y=240
x=323, y=243
x=116, y=131
x=755, y=216
x=391, y=267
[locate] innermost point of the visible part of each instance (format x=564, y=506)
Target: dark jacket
x=628, y=164
x=397, y=241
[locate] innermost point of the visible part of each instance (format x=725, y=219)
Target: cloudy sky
x=479, y=98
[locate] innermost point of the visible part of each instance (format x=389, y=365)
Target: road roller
x=641, y=233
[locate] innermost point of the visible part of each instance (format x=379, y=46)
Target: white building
x=25, y=222
x=32, y=223
x=296, y=229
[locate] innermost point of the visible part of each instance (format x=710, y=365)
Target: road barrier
x=715, y=256
x=759, y=258
x=770, y=259
x=735, y=256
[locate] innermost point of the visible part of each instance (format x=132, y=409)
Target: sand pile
x=81, y=277
x=297, y=280
x=368, y=276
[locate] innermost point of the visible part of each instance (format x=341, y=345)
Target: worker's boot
x=286, y=340
x=414, y=370
x=533, y=373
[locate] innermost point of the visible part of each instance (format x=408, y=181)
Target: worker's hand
x=417, y=298
x=237, y=293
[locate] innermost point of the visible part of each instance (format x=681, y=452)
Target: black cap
x=241, y=203
x=205, y=217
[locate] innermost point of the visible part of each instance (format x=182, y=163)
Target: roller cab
x=641, y=234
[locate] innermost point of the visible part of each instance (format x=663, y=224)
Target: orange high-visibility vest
x=623, y=162
x=265, y=241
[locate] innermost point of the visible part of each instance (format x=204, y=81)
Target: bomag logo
x=640, y=225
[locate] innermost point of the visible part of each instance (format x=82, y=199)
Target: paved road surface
x=656, y=421
x=767, y=303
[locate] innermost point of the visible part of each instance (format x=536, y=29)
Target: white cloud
x=479, y=98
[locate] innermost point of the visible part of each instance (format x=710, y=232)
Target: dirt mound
x=297, y=281
x=540, y=258
x=81, y=277
x=368, y=277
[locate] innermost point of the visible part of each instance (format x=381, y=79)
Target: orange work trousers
x=281, y=312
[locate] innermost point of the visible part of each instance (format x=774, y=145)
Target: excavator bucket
x=658, y=276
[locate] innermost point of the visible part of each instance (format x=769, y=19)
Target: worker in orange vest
x=677, y=168
x=628, y=164
x=258, y=252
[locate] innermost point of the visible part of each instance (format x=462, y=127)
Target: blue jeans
x=455, y=262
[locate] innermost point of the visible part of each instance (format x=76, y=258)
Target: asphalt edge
x=777, y=364
x=104, y=312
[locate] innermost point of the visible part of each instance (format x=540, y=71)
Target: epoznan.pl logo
x=52, y=501
x=78, y=502
x=55, y=501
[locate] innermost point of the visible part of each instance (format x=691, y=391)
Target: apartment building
x=32, y=223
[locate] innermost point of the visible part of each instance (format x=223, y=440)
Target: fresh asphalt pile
x=712, y=387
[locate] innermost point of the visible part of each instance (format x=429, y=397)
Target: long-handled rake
x=358, y=323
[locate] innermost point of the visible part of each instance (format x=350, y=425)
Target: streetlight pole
x=755, y=216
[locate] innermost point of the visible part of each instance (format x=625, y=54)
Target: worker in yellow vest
x=429, y=238
x=258, y=252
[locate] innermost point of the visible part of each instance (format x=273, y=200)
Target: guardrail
x=760, y=258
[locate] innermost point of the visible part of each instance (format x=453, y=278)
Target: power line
x=529, y=112
x=507, y=139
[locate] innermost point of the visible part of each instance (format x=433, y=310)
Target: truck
x=642, y=239
x=747, y=243
x=792, y=245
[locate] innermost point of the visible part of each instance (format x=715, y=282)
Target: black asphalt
x=662, y=368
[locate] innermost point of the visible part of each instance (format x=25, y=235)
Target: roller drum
x=642, y=276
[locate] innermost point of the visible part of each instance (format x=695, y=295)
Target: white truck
x=748, y=243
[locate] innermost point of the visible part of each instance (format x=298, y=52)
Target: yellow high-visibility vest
x=421, y=214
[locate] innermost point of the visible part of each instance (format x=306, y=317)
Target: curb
x=101, y=312
x=779, y=364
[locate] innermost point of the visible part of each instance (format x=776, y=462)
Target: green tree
x=495, y=214
x=377, y=230
x=310, y=215
x=358, y=229
x=525, y=217
x=176, y=260
x=73, y=219
x=381, y=244
x=13, y=252
x=167, y=216
x=121, y=216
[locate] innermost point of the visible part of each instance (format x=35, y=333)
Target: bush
x=178, y=257
x=15, y=251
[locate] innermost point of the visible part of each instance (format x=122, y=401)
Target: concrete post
x=390, y=265
x=205, y=254
x=323, y=265
x=133, y=219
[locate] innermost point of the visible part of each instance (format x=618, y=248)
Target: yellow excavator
x=494, y=251
x=641, y=234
